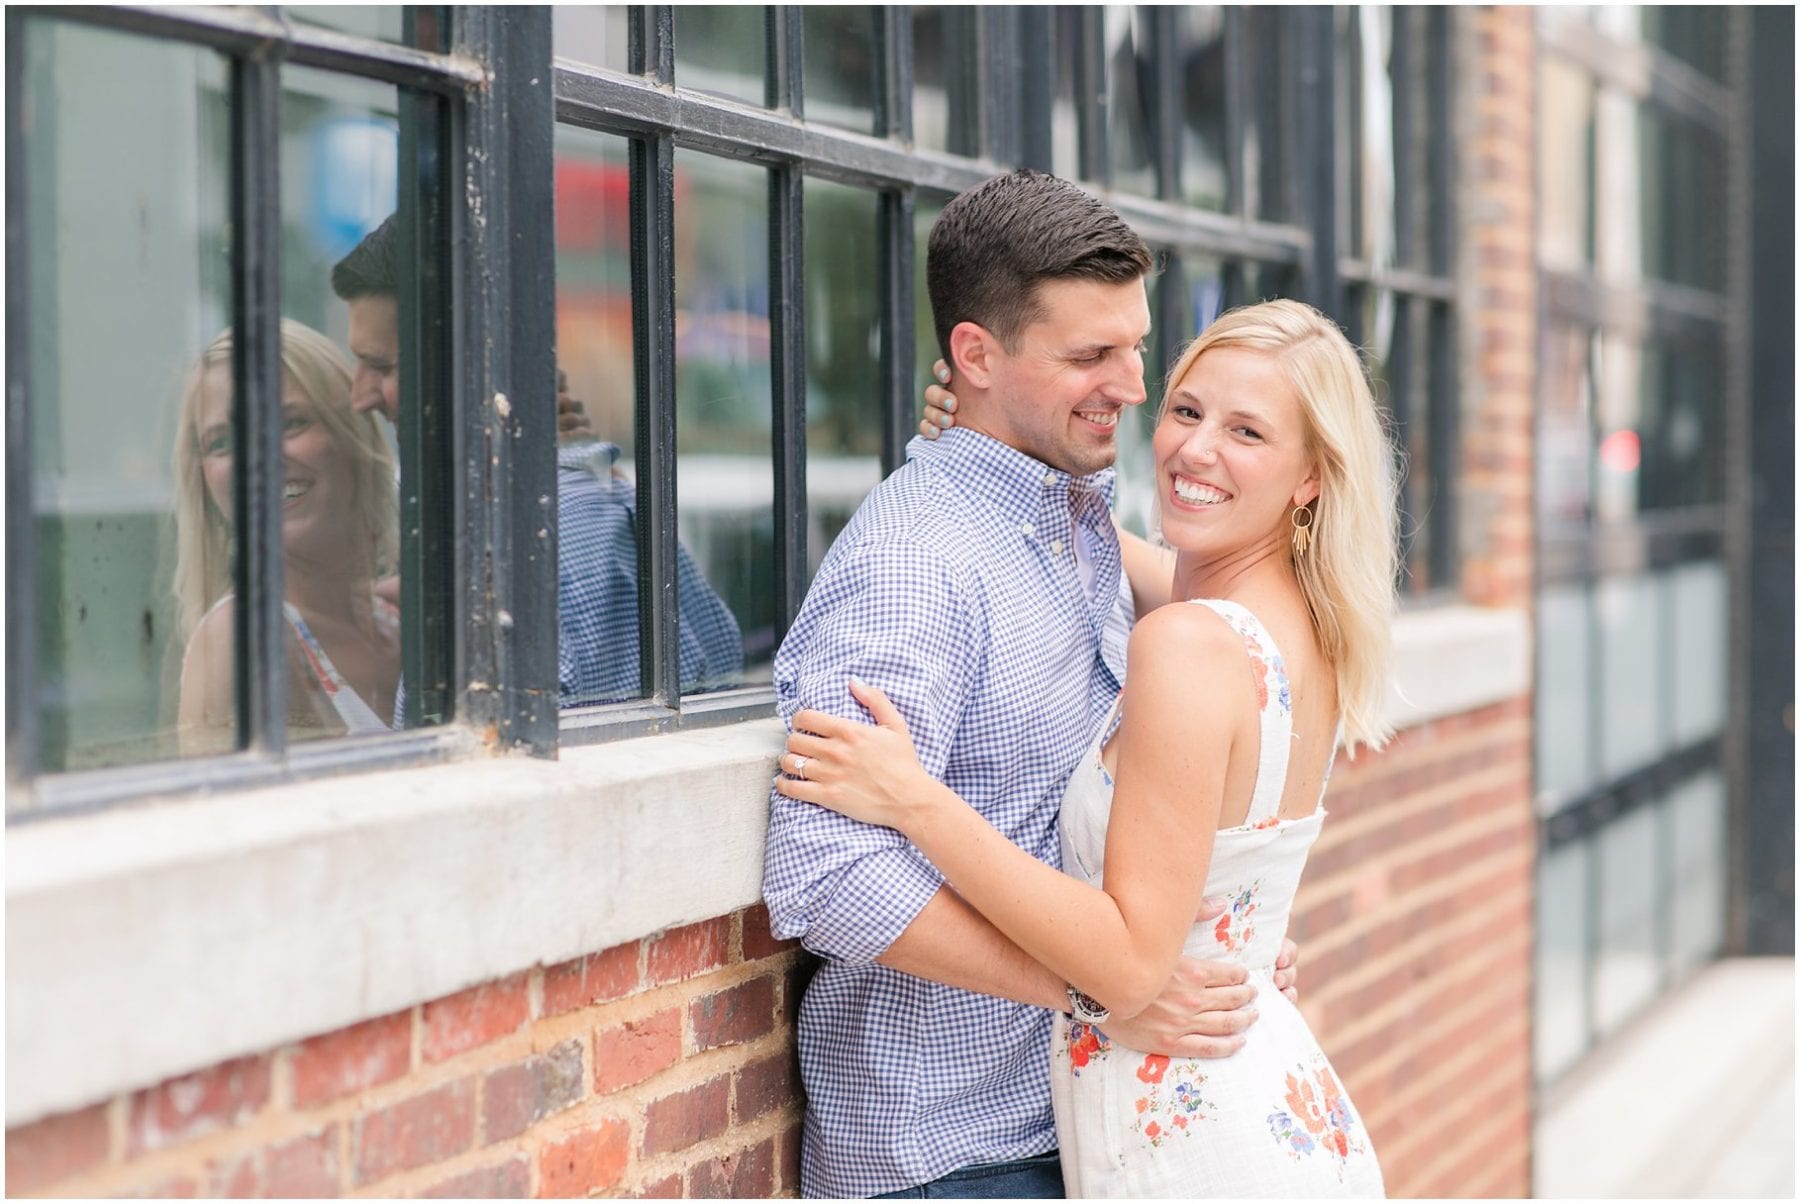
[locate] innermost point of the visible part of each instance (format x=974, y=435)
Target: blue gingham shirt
x=597, y=584
x=955, y=589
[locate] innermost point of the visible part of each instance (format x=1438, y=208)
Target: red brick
x=734, y=1015
x=632, y=1052
x=740, y=1175
x=596, y=978
x=176, y=1187
x=473, y=1018
x=239, y=1177
x=759, y=941
x=415, y=1132
x=763, y=1087
x=666, y=1188
x=509, y=1180
x=185, y=1108
x=787, y=1158
x=54, y=1148
x=684, y=952
x=352, y=1059
x=676, y=1122
x=514, y=1098
x=586, y=1162
x=304, y=1168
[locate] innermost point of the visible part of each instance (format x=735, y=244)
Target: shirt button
x=1049, y=478
x=1025, y=529
x=1056, y=547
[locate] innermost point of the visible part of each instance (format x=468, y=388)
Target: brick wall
x=1414, y=923
x=659, y=1068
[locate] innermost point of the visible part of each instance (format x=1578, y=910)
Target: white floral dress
x=1271, y=1120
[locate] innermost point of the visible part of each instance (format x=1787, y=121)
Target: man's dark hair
x=994, y=244
x=372, y=269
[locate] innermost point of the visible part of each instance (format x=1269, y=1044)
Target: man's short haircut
x=372, y=268
x=994, y=244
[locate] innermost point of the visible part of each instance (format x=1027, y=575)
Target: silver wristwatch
x=1086, y=1008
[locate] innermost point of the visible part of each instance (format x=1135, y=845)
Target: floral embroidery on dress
x=1261, y=669
x=1161, y=1113
x=1085, y=1044
x=1234, y=929
x=1318, y=1116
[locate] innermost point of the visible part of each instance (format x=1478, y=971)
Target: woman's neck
x=1235, y=574
x=342, y=592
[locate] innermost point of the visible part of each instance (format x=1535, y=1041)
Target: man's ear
x=972, y=350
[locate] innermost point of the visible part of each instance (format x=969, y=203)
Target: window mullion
x=1311, y=31
x=1090, y=92
x=894, y=238
x=787, y=312
x=1167, y=88
x=507, y=407
x=21, y=532
x=652, y=204
x=1405, y=113
x=256, y=483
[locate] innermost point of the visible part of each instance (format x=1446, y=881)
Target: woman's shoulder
x=1186, y=637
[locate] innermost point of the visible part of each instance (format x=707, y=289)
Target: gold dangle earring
x=1303, y=530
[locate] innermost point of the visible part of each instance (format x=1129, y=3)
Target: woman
x=1276, y=492
x=339, y=536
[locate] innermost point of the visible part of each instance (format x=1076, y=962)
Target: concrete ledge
x=148, y=942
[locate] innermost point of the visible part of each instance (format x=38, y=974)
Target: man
x=980, y=587
x=596, y=577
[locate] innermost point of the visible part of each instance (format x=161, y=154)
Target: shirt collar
x=1015, y=482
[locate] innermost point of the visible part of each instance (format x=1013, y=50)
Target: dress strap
x=358, y=716
x=1276, y=706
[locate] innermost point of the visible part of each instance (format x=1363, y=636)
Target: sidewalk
x=1694, y=1100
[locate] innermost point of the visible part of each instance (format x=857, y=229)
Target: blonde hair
x=1347, y=575
x=203, y=535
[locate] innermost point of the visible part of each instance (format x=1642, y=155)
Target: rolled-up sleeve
x=898, y=617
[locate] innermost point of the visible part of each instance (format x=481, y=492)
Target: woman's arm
x=207, y=708
x=1150, y=569
x=1119, y=944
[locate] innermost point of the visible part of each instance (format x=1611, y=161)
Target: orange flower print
x=1317, y=1116
x=1180, y=1122
x=1152, y=1130
x=1234, y=929
x=1142, y=1103
x=1260, y=672
x=1152, y=1069
x=1085, y=1044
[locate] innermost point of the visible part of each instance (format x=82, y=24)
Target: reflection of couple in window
x=339, y=536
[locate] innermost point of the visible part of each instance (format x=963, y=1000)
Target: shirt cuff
x=877, y=898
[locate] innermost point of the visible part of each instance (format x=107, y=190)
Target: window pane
x=1618, y=457
x=926, y=348
x=130, y=456
x=596, y=492
x=1264, y=167
x=1565, y=442
x=843, y=358
x=936, y=29
x=385, y=22
x=1697, y=811
x=1559, y=987
x=725, y=472
x=1691, y=33
x=1628, y=967
x=1631, y=674
x=1680, y=427
x=339, y=172
x=1565, y=166
x=1698, y=599
x=595, y=34
x=721, y=49
x=1129, y=74
x=840, y=65
x=1202, y=41
x=1563, y=695
x=1065, y=125
x=1372, y=235
x=1681, y=176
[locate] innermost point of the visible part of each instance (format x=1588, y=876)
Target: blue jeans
x=1038, y=1178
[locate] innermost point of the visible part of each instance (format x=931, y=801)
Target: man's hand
x=1202, y=1013
x=1287, y=970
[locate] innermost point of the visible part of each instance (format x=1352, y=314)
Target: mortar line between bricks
x=739, y=1138
x=1501, y=1006
x=1382, y=1019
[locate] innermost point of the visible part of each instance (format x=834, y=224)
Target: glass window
x=1265, y=164
x=941, y=117
x=1628, y=969
x=596, y=34
x=1697, y=913
x=1130, y=100
x=1698, y=601
x=1681, y=192
x=1632, y=666
x=1559, y=984
x=1565, y=166
x=1065, y=124
x=1201, y=29
x=1619, y=453
x=840, y=69
x=130, y=456
x=724, y=467
x=722, y=49
x=1565, y=441
x=1691, y=33
x=1564, y=685
x=843, y=358
x=597, y=556
x=383, y=22
x=1680, y=428
x=926, y=348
